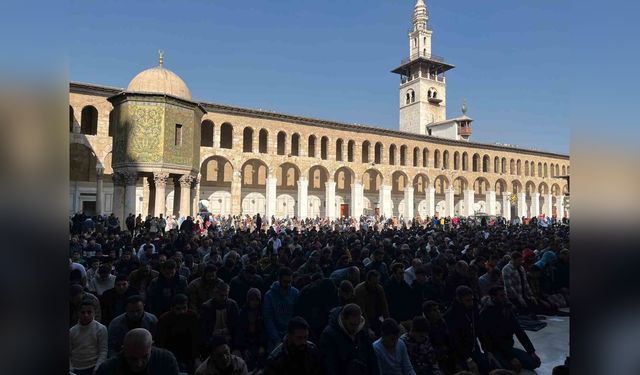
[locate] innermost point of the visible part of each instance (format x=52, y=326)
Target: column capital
x=118, y=178
x=130, y=177
x=160, y=178
x=186, y=180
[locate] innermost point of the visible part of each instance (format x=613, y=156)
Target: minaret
x=422, y=81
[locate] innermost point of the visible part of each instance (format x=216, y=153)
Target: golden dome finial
x=161, y=57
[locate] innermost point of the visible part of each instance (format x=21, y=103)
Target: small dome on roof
x=159, y=80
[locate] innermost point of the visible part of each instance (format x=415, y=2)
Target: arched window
x=206, y=133
x=72, y=119
x=263, y=141
x=557, y=169
x=403, y=155
x=247, y=140
x=504, y=165
x=378, y=153
x=564, y=170
x=350, y=147
x=445, y=159
x=324, y=146
x=413, y=96
x=436, y=159
x=465, y=161
x=416, y=154
x=366, y=145
x=519, y=168
x=526, y=168
x=408, y=99
x=339, y=143
x=496, y=165
x=476, y=163
x=311, y=148
x=226, y=135
x=425, y=157
x=546, y=172
x=485, y=164
x=281, y=141
x=295, y=144
x=512, y=166
x=89, y=120
x=456, y=161
x=112, y=123
x=392, y=155
x=540, y=169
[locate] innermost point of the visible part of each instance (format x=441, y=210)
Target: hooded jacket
x=277, y=310
x=345, y=354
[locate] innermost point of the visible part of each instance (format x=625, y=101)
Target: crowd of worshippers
x=349, y=296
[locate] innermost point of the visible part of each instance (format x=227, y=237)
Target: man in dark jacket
x=314, y=303
x=497, y=326
x=164, y=287
x=399, y=294
x=178, y=332
x=435, y=288
x=439, y=336
x=346, y=346
x=462, y=321
x=378, y=264
x=241, y=284
x=295, y=355
x=218, y=316
x=138, y=356
x=113, y=301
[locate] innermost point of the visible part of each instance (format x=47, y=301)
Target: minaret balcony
x=464, y=131
x=435, y=101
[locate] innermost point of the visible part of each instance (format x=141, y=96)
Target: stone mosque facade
x=150, y=148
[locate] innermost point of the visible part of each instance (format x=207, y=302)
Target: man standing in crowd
x=278, y=306
x=371, y=298
x=134, y=317
x=164, y=287
x=113, y=301
x=346, y=346
x=87, y=341
x=178, y=331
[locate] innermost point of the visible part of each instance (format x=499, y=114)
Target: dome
x=159, y=80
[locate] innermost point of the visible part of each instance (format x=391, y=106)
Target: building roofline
x=88, y=88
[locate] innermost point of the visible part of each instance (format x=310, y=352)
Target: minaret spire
x=160, y=57
x=420, y=16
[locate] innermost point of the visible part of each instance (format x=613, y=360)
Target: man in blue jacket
x=278, y=307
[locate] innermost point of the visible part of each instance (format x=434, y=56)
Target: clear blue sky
x=523, y=66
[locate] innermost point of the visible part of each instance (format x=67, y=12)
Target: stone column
x=118, y=197
x=131, y=179
x=185, y=194
x=547, y=209
x=560, y=207
x=303, y=198
x=357, y=199
x=449, y=202
x=271, y=197
x=330, y=199
x=506, y=205
x=408, y=203
x=490, y=198
x=255, y=142
x=469, y=201
x=146, y=197
x=522, y=205
x=236, y=194
x=216, y=136
x=431, y=201
x=535, y=204
x=385, y=201
x=195, y=194
x=160, y=181
x=99, y=190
